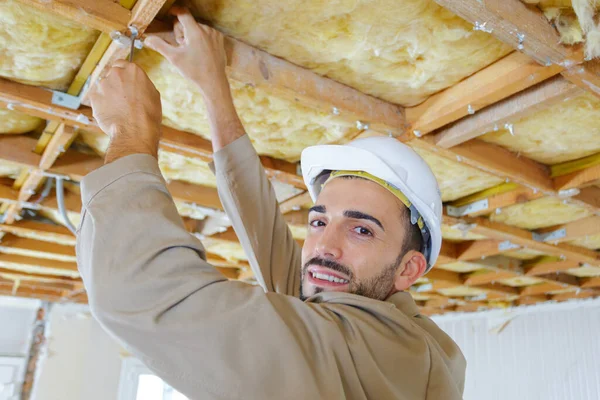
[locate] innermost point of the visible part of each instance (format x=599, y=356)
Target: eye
x=363, y=231
x=316, y=223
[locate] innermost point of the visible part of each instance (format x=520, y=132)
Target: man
x=333, y=320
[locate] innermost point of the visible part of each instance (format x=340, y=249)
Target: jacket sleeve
x=149, y=285
x=249, y=200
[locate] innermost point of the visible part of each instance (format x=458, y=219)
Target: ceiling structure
x=497, y=96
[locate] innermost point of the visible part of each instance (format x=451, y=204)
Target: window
x=139, y=383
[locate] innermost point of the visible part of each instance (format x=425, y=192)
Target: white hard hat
x=391, y=161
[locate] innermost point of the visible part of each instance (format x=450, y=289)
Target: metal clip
x=68, y=100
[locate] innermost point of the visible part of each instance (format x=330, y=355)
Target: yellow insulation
x=562, y=132
x=520, y=281
x=401, y=51
x=457, y=180
x=37, y=254
x=523, y=254
x=40, y=49
x=17, y=122
x=10, y=170
x=46, y=238
x=230, y=251
x=277, y=127
x=461, y=291
x=38, y=269
x=540, y=213
x=591, y=242
x=461, y=267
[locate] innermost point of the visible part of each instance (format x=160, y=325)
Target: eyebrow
x=319, y=209
x=361, y=215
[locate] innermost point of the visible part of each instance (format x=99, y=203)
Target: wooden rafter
x=502, y=79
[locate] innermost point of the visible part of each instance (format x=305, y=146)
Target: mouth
x=324, y=277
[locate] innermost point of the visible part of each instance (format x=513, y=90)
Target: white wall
x=543, y=352
x=80, y=362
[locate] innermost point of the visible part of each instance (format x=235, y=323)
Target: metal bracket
x=68, y=100
x=468, y=209
x=424, y=287
x=507, y=245
x=550, y=236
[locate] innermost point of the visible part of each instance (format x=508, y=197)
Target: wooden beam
x=586, y=76
x=102, y=15
x=541, y=289
x=494, y=202
x=548, y=265
x=530, y=300
x=296, y=202
x=573, y=230
x=59, y=142
x=442, y=275
x=500, y=115
x=16, y=242
x=589, y=283
x=522, y=27
x=41, y=230
x=500, y=80
x=299, y=217
x=37, y=101
x=26, y=276
x=496, y=230
x=495, y=160
x=478, y=249
x=577, y=179
x=575, y=295
x=448, y=253
x=7, y=259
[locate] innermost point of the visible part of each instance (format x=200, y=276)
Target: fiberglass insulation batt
x=398, y=50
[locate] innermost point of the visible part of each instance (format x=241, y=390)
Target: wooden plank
x=296, y=202
x=502, y=79
x=586, y=76
x=540, y=289
x=575, y=295
x=299, y=217
x=577, y=179
x=8, y=194
x=102, y=15
x=59, y=142
x=530, y=300
x=204, y=196
x=517, y=196
x=508, y=111
x=35, y=276
x=495, y=160
x=18, y=149
x=589, y=196
x=547, y=266
x=41, y=230
x=448, y=253
x=524, y=238
x=498, y=288
x=442, y=275
x=522, y=27
x=575, y=230
x=16, y=242
x=589, y=283
x=7, y=259
x=478, y=249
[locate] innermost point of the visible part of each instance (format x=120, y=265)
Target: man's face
x=354, y=240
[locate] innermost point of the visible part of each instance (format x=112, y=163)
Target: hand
x=199, y=54
x=127, y=107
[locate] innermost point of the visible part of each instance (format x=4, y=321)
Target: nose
x=329, y=244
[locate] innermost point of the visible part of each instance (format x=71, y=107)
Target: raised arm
x=148, y=282
x=246, y=193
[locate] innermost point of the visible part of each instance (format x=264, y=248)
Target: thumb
x=159, y=45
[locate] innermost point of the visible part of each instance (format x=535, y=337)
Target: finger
x=120, y=64
x=186, y=18
x=179, y=33
x=159, y=45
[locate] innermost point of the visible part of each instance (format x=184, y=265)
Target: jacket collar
x=403, y=301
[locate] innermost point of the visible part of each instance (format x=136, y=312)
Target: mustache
x=335, y=266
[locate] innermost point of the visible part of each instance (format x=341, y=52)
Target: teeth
x=330, y=278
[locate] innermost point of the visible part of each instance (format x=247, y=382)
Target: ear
x=412, y=267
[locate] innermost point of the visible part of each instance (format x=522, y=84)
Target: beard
x=377, y=287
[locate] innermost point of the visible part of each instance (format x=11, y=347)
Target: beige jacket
x=149, y=285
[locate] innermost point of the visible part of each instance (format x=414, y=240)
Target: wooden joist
x=488, y=204
x=548, y=265
x=40, y=230
x=31, y=245
x=479, y=249
x=523, y=27
x=7, y=260
x=500, y=80
x=573, y=230
x=577, y=179
x=502, y=114
x=496, y=230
